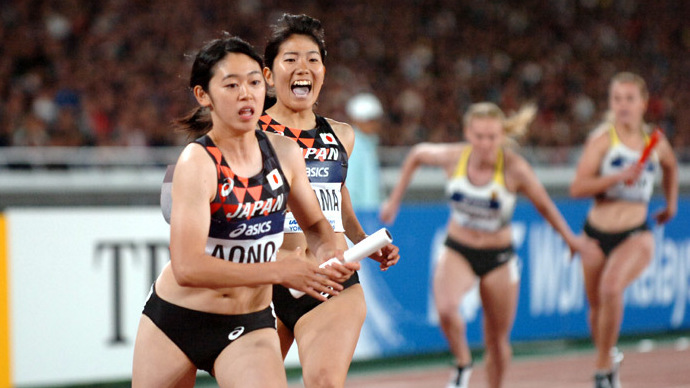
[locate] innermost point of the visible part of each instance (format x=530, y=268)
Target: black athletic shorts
x=200, y=335
x=482, y=261
x=609, y=241
x=290, y=310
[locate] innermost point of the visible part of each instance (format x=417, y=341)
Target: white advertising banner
x=78, y=280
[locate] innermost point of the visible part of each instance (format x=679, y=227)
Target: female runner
x=609, y=171
x=326, y=333
x=210, y=308
x=484, y=178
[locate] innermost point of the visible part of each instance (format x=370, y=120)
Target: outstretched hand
x=583, y=245
x=664, y=216
x=388, y=212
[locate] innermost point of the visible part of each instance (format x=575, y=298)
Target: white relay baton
x=357, y=252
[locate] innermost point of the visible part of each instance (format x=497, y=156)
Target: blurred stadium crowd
x=114, y=72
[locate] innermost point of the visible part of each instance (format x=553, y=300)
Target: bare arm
x=439, y=155
x=588, y=182
x=386, y=256
x=669, y=182
x=529, y=185
x=353, y=229
x=302, y=201
x=194, y=185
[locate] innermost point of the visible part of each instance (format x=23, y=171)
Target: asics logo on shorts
x=503, y=257
x=236, y=333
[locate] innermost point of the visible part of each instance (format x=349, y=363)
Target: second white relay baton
x=357, y=252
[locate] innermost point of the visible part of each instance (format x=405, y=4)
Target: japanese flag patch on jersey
x=328, y=138
x=274, y=179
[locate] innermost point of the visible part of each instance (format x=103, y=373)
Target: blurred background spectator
x=365, y=114
x=112, y=72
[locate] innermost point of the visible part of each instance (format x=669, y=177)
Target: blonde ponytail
x=515, y=126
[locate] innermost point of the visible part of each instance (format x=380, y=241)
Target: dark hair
x=289, y=25
x=198, y=121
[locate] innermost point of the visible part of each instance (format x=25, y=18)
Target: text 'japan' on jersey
x=326, y=162
x=247, y=213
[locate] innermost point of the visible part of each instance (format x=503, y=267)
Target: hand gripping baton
x=357, y=252
x=653, y=139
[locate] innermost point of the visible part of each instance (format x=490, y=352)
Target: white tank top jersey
x=487, y=208
x=617, y=158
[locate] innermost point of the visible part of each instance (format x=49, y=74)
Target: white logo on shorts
x=235, y=334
